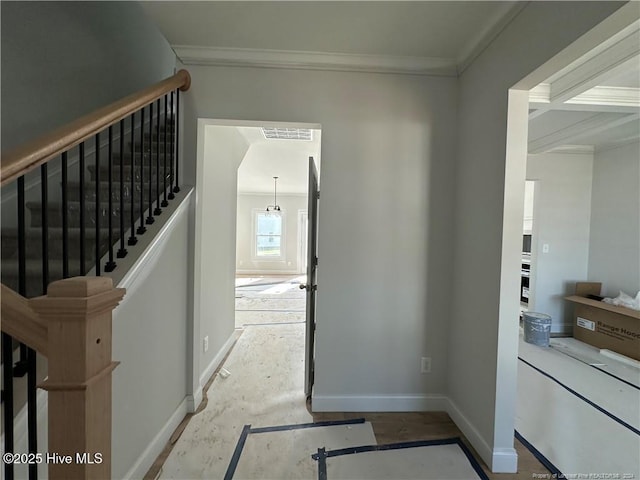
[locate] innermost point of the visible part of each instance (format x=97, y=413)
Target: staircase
x=140, y=159
x=102, y=179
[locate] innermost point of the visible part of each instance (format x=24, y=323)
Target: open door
x=310, y=287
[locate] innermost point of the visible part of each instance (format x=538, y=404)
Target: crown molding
x=597, y=99
x=478, y=44
x=308, y=60
x=540, y=93
x=613, y=96
x=584, y=128
x=616, y=96
x=291, y=59
x=572, y=149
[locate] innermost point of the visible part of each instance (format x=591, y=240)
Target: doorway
x=569, y=135
x=272, y=229
x=223, y=146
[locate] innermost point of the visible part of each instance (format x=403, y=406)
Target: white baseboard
x=378, y=403
x=155, y=447
x=504, y=460
x=194, y=401
x=217, y=360
x=500, y=460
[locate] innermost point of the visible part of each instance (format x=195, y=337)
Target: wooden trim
x=21, y=322
x=80, y=373
x=49, y=386
x=25, y=158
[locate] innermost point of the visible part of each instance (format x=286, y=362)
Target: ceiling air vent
x=287, y=133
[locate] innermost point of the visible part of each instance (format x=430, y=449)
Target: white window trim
x=254, y=233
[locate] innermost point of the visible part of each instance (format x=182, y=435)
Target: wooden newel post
x=78, y=314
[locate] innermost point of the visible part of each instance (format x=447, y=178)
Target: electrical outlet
x=205, y=343
x=425, y=365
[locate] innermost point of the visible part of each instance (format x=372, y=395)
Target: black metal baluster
x=110, y=265
x=122, y=252
x=7, y=398
x=65, y=217
x=165, y=203
x=150, y=218
x=22, y=243
x=176, y=189
x=142, y=228
x=98, y=208
x=44, y=199
x=171, y=178
x=32, y=411
x=8, y=370
x=81, y=166
x=158, y=210
x=132, y=168
x=21, y=366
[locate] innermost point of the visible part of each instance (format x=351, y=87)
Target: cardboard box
x=603, y=325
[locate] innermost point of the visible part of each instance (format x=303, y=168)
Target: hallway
x=262, y=300
x=261, y=383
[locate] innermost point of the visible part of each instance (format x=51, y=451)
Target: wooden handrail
x=25, y=158
x=21, y=322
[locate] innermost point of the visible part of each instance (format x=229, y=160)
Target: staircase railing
x=71, y=325
x=58, y=233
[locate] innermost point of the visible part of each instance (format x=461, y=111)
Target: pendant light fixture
x=275, y=207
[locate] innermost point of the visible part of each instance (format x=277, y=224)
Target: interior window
x=268, y=235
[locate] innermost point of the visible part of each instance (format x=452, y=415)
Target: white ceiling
x=267, y=158
x=570, y=109
x=427, y=29
x=438, y=36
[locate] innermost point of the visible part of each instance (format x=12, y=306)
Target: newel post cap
x=78, y=297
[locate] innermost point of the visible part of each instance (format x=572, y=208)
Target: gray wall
x=614, y=255
x=385, y=219
x=222, y=150
x=61, y=60
x=150, y=341
x=562, y=217
x=483, y=332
